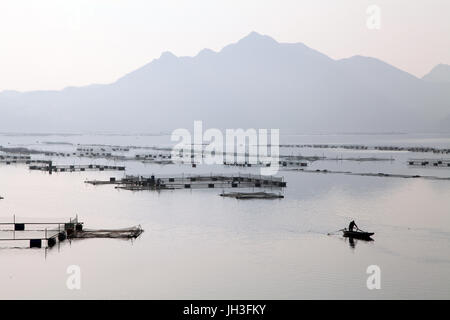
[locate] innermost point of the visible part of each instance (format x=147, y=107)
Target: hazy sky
x=51, y=44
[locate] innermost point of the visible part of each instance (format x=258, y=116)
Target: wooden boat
x=358, y=234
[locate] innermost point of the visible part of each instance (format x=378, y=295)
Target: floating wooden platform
x=53, y=231
x=22, y=161
x=93, y=148
x=370, y=174
x=60, y=231
x=152, y=156
x=252, y=195
x=439, y=163
x=76, y=168
x=422, y=149
x=136, y=183
x=125, y=233
x=14, y=157
x=283, y=163
x=158, y=161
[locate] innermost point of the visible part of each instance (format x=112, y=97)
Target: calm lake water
x=198, y=245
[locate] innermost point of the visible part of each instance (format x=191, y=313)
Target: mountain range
x=254, y=83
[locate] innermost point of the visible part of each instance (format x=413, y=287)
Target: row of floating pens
x=35, y=242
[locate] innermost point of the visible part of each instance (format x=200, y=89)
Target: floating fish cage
x=14, y=157
x=123, y=233
x=39, y=234
x=158, y=161
x=58, y=154
x=22, y=161
x=365, y=147
x=76, y=168
x=194, y=182
x=152, y=156
x=439, y=163
x=251, y=195
x=101, y=148
x=293, y=163
x=263, y=164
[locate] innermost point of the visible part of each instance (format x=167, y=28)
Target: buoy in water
x=62, y=236
x=51, y=242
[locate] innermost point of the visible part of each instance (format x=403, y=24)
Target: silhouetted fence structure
x=36, y=238
x=50, y=232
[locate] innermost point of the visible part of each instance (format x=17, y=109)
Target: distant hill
x=256, y=82
x=440, y=73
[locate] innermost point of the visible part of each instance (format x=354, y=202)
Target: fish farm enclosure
x=224, y=155
x=39, y=234
x=202, y=218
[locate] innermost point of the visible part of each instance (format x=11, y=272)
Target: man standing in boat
x=352, y=225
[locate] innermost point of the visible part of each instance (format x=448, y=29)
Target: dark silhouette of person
x=352, y=225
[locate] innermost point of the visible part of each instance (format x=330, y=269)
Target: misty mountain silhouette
x=440, y=73
x=254, y=83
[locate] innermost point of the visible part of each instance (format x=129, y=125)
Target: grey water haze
x=256, y=82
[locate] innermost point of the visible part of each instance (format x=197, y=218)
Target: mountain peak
x=256, y=75
x=440, y=73
x=167, y=55
x=206, y=52
x=255, y=36
x=254, y=41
